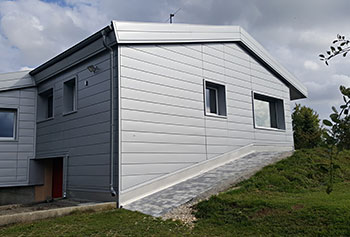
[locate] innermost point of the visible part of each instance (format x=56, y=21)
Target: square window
x=215, y=99
x=69, y=96
x=45, y=104
x=268, y=112
x=8, y=124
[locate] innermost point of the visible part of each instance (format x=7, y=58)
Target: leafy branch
x=340, y=47
x=333, y=136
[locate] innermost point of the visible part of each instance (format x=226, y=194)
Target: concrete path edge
x=57, y=212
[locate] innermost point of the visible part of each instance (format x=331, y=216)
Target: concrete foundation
x=17, y=195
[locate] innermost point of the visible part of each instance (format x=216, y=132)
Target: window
x=69, y=96
x=215, y=99
x=8, y=124
x=45, y=105
x=268, y=112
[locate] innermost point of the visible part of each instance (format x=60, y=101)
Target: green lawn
x=284, y=199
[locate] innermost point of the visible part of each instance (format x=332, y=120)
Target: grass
x=287, y=198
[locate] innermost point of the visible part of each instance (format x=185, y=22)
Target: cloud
x=40, y=30
x=294, y=32
x=311, y=65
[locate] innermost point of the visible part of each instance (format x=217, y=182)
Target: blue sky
x=294, y=32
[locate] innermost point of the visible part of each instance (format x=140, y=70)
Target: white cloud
x=40, y=30
x=32, y=31
x=311, y=65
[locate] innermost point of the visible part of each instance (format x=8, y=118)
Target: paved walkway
x=204, y=185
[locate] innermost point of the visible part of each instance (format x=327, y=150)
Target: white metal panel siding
x=15, y=155
x=163, y=125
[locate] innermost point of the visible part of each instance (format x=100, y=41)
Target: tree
x=340, y=46
x=306, y=127
x=342, y=129
x=335, y=134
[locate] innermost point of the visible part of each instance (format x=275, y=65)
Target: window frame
x=270, y=99
x=75, y=98
x=15, y=126
x=213, y=86
x=40, y=94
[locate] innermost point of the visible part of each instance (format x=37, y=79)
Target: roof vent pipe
x=111, y=185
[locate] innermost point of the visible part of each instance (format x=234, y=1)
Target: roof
x=147, y=33
x=16, y=80
x=158, y=33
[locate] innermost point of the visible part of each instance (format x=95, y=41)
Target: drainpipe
x=111, y=185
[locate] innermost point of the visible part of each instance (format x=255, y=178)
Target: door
x=57, y=178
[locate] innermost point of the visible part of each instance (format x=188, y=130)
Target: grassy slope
x=287, y=198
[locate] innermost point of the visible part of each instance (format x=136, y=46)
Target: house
x=137, y=107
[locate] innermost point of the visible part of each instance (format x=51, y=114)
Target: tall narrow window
x=268, y=112
x=7, y=124
x=69, y=96
x=45, y=105
x=215, y=99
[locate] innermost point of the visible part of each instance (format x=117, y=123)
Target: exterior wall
x=84, y=135
x=164, y=128
x=15, y=155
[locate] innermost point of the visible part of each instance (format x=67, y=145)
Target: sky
x=293, y=32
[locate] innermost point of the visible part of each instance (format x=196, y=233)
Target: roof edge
x=69, y=51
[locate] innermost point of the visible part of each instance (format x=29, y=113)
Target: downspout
x=111, y=185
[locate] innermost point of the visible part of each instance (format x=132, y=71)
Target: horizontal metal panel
x=90, y=170
x=160, y=89
x=5, y=164
x=26, y=117
x=101, y=159
x=133, y=180
x=160, y=108
x=88, y=181
x=162, y=138
x=156, y=98
x=152, y=117
x=148, y=62
x=163, y=158
x=11, y=93
x=158, y=74
x=234, y=50
x=161, y=128
x=140, y=169
x=139, y=147
x=7, y=172
x=27, y=101
x=9, y=155
x=163, y=52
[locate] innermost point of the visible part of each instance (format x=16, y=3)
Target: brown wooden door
x=57, y=178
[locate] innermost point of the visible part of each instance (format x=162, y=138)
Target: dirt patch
x=20, y=208
x=297, y=207
x=182, y=213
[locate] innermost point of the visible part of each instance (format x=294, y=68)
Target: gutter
x=112, y=123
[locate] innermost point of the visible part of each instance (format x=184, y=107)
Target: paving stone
x=205, y=184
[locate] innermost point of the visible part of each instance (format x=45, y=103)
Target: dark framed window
x=268, y=112
x=69, y=96
x=46, y=104
x=215, y=99
x=8, y=119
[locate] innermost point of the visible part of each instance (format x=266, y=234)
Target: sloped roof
x=147, y=33
x=15, y=80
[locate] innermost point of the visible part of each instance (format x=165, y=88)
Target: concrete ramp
x=206, y=184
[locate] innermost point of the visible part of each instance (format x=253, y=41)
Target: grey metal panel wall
x=164, y=128
x=85, y=134
x=15, y=155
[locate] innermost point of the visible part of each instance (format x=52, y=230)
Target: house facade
x=138, y=107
